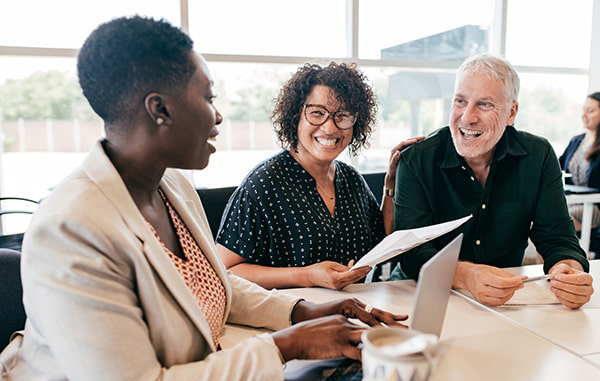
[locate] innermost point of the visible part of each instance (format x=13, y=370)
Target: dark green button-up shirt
x=523, y=198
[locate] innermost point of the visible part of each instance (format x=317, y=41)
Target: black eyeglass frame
x=329, y=114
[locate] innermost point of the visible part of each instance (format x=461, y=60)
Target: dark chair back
x=375, y=182
x=12, y=241
x=214, y=201
x=23, y=206
x=12, y=312
x=595, y=242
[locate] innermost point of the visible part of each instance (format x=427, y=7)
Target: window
x=550, y=105
x=67, y=23
x=46, y=124
x=245, y=94
x=429, y=30
x=559, y=37
x=309, y=28
x=409, y=52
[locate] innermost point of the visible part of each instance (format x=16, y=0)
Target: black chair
x=12, y=312
x=214, y=201
x=15, y=240
x=595, y=242
x=375, y=182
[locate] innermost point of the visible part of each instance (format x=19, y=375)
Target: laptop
x=433, y=289
x=429, y=310
x=579, y=189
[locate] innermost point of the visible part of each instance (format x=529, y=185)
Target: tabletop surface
x=542, y=342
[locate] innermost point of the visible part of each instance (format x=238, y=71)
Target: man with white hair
x=509, y=180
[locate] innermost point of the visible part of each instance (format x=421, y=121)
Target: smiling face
x=591, y=114
x=479, y=115
x=194, y=120
x=322, y=143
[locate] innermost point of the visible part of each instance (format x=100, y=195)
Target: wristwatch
x=388, y=191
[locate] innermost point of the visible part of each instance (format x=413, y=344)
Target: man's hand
x=570, y=284
x=489, y=285
x=334, y=275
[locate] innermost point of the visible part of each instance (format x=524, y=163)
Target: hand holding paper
x=403, y=240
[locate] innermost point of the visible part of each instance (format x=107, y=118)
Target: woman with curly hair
x=301, y=218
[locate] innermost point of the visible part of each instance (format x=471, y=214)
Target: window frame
x=497, y=46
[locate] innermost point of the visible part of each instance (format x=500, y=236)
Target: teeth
x=326, y=142
x=470, y=132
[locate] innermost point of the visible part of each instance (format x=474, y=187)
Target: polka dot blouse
x=277, y=218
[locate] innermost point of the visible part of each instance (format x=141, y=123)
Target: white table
x=481, y=343
x=576, y=331
x=588, y=200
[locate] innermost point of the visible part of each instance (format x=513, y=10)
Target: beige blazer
x=104, y=301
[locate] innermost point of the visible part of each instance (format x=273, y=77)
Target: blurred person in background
x=581, y=158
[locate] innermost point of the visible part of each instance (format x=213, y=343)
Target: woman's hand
x=390, y=176
x=326, y=337
x=333, y=275
x=324, y=331
x=389, y=184
x=350, y=308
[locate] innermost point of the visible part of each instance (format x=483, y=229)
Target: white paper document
x=534, y=293
x=401, y=241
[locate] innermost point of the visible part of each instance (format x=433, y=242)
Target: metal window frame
x=497, y=46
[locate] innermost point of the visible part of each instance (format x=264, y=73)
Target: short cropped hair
x=350, y=88
x=496, y=67
x=127, y=58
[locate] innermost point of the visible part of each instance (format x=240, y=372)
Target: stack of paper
x=401, y=241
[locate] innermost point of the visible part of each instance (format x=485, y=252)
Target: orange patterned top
x=198, y=274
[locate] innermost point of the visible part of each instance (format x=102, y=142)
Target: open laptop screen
x=433, y=289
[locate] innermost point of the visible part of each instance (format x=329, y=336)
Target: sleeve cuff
x=268, y=339
x=293, y=308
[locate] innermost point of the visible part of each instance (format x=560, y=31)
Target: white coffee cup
x=391, y=353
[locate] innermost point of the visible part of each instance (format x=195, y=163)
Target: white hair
x=496, y=67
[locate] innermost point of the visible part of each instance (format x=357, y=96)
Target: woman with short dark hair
x=121, y=277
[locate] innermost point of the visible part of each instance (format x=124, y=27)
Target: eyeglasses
x=317, y=115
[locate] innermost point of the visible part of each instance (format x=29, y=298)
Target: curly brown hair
x=350, y=88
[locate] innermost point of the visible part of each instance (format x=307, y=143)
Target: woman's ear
x=157, y=109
